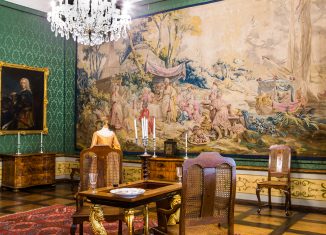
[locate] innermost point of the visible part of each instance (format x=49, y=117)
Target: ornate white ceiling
x=41, y=5
x=44, y=5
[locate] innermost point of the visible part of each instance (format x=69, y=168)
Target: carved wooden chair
x=279, y=169
x=107, y=162
x=208, y=195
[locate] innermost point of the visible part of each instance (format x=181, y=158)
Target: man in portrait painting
x=17, y=108
x=24, y=106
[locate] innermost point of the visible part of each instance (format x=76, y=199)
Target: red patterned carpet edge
x=54, y=219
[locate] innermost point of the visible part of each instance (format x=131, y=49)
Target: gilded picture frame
x=23, y=96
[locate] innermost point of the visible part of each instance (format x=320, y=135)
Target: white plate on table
x=127, y=192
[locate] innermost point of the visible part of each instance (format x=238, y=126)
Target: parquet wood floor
x=271, y=222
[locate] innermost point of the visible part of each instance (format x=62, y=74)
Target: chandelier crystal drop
x=89, y=22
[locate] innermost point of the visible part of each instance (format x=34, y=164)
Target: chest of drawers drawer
x=164, y=168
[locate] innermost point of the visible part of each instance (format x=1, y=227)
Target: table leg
x=146, y=226
x=129, y=217
x=96, y=217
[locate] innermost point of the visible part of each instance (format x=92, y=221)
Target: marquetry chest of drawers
x=25, y=170
x=162, y=168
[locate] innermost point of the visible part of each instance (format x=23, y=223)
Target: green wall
x=26, y=38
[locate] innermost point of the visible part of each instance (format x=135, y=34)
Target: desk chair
x=208, y=195
x=107, y=162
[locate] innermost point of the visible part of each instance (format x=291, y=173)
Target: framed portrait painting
x=23, y=94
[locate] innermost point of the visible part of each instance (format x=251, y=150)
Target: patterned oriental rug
x=54, y=219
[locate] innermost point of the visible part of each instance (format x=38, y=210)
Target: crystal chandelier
x=90, y=22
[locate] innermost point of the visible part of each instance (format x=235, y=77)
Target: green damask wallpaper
x=26, y=38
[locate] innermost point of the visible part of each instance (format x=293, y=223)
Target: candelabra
x=154, y=147
x=145, y=143
x=144, y=157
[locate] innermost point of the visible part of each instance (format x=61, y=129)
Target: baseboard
x=302, y=208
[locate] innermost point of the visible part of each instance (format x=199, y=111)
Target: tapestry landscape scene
x=237, y=78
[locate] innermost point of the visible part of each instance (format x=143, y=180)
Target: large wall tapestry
x=236, y=77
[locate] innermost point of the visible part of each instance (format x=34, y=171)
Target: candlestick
x=186, y=156
x=41, y=151
x=154, y=148
x=18, y=144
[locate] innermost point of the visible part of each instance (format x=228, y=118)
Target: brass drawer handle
x=160, y=176
x=160, y=164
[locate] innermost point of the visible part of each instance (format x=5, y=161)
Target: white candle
x=41, y=138
x=186, y=140
x=142, y=128
x=146, y=121
x=18, y=138
x=135, y=125
x=144, y=135
x=154, y=129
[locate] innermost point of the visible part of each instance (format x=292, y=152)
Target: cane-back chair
x=107, y=162
x=279, y=170
x=208, y=195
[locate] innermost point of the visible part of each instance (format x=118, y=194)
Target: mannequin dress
x=106, y=137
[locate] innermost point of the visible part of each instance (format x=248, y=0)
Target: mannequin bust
x=105, y=129
x=105, y=136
